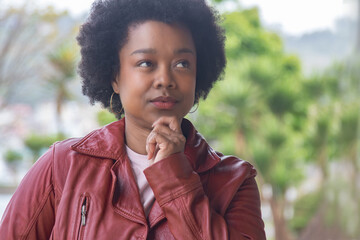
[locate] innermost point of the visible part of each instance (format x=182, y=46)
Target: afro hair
x=105, y=32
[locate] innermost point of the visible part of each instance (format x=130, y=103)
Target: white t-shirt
x=139, y=163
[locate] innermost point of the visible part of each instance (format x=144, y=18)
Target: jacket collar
x=108, y=142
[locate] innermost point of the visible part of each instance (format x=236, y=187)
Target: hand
x=165, y=139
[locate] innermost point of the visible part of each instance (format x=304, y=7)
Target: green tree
x=257, y=113
x=63, y=59
x=38, y=144
x=105, y=117
x=26, y=35
x=12, y=159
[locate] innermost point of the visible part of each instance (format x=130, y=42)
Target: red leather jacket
x=85, y=189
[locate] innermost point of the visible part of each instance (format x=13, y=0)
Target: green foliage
x=245, y=35
x=276, y=139
x=247, y=114
x=38, y=143
x=13, y=157
x=281, y=100
x=305, y=208
x=291, y=66
x=313, y=88
x=263, y=73
x=265, y=111
x=50, y=14
x=27, y=33
x=258, y=111
x=349, y=126
x=64, y=60
x=105, y=117
x=279, y=177
x=262, y=159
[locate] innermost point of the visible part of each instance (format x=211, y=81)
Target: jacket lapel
x=155, y=215
x=108, y=142
x=125, y=196
x=200, y=155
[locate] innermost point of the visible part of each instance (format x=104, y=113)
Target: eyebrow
x=153, y=51
x=144, y=50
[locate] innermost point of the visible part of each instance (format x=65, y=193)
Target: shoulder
x=47, y=160
x=64, y=146
x=234, y=166
x=232, y=173
x=97, y=143
x=230, y=177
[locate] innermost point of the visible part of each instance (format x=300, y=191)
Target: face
x=157, y=72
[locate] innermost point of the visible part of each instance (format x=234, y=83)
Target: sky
x=295, y=17
x=301, y=16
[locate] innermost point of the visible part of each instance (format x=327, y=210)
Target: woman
x=150, y=175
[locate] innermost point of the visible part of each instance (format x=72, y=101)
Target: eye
x=182, y=64
x=145, y=64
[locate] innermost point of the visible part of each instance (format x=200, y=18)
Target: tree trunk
x=323, y=163
x=280, y=224
x=240, y=145
x=319, y=228
x=355, y=169
x=59, y=105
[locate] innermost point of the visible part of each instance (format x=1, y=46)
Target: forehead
x=156, y=34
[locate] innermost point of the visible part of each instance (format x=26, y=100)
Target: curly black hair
x=105, y=32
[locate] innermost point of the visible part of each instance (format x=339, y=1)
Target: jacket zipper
x=83, y=217
x=83, y=213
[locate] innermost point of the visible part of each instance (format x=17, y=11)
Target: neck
x=135, y=136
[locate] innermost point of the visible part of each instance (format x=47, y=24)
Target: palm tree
x=63, y=59
x=247, y=115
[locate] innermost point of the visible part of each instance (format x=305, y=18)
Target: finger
x=151, y=145
x=149, y=152
x=157, y=140
x=171, y=121
x=157, y=148
x=167, y=146
x=172, y=136
x=164, y=147
x=165, y=130
x=175, y=125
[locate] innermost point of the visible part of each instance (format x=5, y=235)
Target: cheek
x=189, y=88
x=132, y=92
x=129, y=94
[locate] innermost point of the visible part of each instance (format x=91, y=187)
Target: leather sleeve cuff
x=172, y=177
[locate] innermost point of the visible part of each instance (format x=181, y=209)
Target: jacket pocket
x=82, y=215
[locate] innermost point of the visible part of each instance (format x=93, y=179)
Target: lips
x=164, y=102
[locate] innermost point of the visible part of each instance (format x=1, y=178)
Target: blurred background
x=289, y=103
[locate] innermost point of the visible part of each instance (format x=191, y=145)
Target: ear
x=115, y=85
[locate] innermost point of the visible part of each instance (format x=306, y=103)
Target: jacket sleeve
x=180, y=194
x=30, y=212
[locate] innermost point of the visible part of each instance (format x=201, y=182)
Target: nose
x=164, y=79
